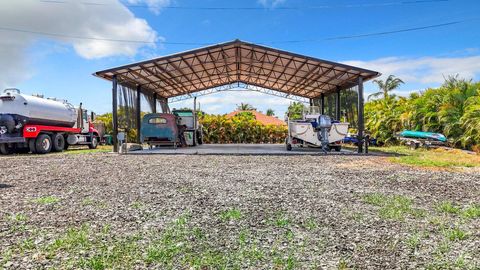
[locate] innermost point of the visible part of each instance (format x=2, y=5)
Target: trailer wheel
x=194, y=139
x=338, y=148
x=58, y=143
x=288, y=147
x=94, y=143
x=43, y=144
x=5, y=149
x=414, y=145
x=199, y=138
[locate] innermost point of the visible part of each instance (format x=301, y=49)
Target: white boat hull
x=306, y=132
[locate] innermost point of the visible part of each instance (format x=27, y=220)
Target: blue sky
x=61, y=66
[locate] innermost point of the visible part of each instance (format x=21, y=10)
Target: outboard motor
x=324, y=125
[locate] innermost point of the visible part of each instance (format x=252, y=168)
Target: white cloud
x=154, y=5
x=271, y=3
x=425, y=70
x=112, y=21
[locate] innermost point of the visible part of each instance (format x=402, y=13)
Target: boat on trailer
x=416, y=139
x=315, y=130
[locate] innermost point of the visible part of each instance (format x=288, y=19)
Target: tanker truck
x=31, y=123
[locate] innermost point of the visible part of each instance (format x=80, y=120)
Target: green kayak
x=423, y=135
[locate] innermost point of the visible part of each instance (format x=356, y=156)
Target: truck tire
x=58, y=144
x=94, y=143
x=5, y=149
x=43, y=144
x=31, y=146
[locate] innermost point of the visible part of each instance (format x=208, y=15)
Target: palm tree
x=295, y=110
x=390, y=84
x=270, y=112
x=245, y=107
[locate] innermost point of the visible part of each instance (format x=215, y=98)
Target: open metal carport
x=237, y=64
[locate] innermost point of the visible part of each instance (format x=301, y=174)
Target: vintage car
x=160, y=129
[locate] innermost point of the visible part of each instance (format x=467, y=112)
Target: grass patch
x=376, y=199
x=471, y=211
x=71, y=240
x=468, y=212
x=448, y=207
x=95, y=203
x=413, y=241
x=311, y=224
x=344, y=264
x=17, y=222
x=137, y=205
x=393, y=207
x=46, y=200
x=231, y=214
x=17, y=218
x=459, y=263
x=455, y=234
x=106, y=252
x=440, y=157
x=82, y=150
x=281, y=220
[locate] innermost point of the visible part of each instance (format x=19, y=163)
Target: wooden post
x=114, y=114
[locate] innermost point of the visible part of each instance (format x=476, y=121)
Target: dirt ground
x=103, y=211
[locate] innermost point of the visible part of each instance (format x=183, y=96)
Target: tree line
x=452, y=109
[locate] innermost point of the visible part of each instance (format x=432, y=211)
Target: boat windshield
x=184, y=113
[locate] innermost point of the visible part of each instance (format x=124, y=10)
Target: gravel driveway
x=235, y=212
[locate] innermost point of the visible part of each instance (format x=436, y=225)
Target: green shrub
x=240, y=129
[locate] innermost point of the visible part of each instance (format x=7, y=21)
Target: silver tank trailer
x=37, y=110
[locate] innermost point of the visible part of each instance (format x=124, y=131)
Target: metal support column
x=138, y=110
x=311, y=102
x=337, y=105
x=114, y=114
x=154, y=109
x=361, y=125
x=164, y=105
x=195, y=115
x=322, y=103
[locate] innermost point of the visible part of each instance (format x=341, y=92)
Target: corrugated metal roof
x=237, y=61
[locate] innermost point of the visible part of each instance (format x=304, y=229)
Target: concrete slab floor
x=238, y=149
